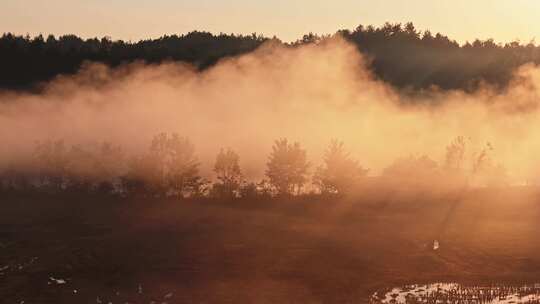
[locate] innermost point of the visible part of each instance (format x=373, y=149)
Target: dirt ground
x=68, y=249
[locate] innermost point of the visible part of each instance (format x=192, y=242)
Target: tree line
x=170, y=168
x=399, y=54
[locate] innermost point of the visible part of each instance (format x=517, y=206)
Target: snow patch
x=58, y=281
x=442, y=293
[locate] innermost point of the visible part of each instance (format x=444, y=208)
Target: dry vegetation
x=304, y=249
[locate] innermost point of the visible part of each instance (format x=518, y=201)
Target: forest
x=407, y=58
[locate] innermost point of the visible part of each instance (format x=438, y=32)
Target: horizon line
x=264, y=36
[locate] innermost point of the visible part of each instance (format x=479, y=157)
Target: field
x=68, y=249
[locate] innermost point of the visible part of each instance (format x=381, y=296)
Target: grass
x=300, y=250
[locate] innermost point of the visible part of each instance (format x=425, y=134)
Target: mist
x=310, y=94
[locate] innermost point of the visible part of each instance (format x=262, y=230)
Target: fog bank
x=309, y=94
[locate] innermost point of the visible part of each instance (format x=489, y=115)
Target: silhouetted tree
x=27, y=61
x=249, y=190
x=287, y=167
x=229, y=175
x=183, y=167
x=169, y=168
x=455, y=154
x=466, y=166
x=485, y=171
x=339, y=172
x=141, y=177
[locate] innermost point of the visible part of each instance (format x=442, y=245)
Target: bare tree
x=474, y=166
x=455, y=154
x=485, y=171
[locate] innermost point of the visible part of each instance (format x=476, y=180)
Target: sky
x=462, y=20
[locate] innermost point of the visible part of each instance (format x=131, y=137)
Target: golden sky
x=503, y=20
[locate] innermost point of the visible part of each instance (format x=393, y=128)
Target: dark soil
x=303, y=250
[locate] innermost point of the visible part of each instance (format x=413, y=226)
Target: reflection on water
x=441, y=293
